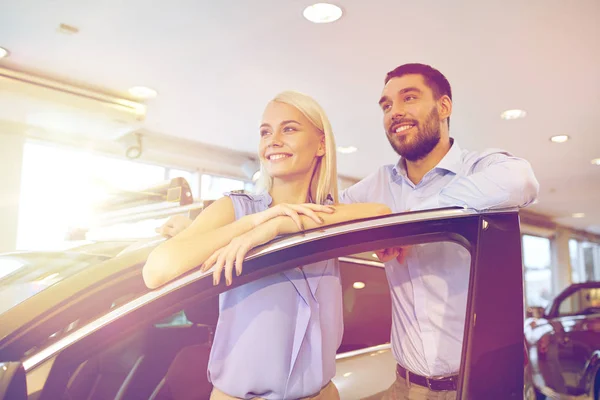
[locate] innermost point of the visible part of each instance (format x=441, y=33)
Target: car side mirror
x=535, y=312
x=13, y=384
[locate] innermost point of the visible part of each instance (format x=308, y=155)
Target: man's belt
x=438, y=384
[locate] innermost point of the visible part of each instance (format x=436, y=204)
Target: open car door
x=486, y=245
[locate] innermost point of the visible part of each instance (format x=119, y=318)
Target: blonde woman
x=276, y=337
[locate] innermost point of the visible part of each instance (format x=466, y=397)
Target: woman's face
x=289, y=143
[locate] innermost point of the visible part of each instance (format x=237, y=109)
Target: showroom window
x=537, y=270
x=212, y=187
x=585, y=261
x=60, y=186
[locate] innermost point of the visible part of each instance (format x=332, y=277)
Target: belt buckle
x=428, y=383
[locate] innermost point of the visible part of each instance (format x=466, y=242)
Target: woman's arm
x=205, y=234
x=343, y=213
x=213, y=229
x=234, y=253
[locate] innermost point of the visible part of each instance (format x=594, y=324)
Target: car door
x=577, y=336
x=491, y=360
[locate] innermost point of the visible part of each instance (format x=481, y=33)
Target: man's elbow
x=529, y=187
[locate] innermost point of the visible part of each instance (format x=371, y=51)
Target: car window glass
x=582, y=302
x=86, y=310
x=33, y=272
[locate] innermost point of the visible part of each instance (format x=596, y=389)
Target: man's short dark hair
x=433, y=78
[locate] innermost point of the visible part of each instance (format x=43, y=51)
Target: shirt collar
x=451, y=161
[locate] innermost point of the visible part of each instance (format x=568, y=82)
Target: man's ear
x=444, y=107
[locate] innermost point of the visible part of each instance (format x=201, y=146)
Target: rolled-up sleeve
x=497, y=180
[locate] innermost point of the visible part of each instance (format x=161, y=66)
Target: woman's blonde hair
x=326, y=167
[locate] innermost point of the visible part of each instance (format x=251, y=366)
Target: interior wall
x=12, y=142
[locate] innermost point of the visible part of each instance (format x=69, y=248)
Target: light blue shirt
x=429, y=289
x=277, y=337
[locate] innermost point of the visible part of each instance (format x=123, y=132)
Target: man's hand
x=399, y=253
x=174, y=226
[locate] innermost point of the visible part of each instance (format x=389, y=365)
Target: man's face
x=410, y=116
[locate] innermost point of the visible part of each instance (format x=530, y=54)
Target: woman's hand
x=234, y=253
x=174, y=225
x=293, y=211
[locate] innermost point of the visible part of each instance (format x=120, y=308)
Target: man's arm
x=498, y=180
x=361, y=191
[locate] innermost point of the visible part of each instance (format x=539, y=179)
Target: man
x=429, y=283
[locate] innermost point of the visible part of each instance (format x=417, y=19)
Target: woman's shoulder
x=245, y=202
x=249, y=196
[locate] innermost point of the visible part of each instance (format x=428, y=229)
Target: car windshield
x=22, y=275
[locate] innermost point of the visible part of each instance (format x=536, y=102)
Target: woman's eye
x=264, y=133
x=289, y=129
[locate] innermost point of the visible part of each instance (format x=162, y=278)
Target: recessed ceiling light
x=255, y=176
x=67, y=29
x=560, y=138
x=347, y=374
x=3, y=52
x=513, y=114
x=578, y=215
x=143, y=92
x=322, y=13
x=347, y=149
x=596, y=161
x=358, y=285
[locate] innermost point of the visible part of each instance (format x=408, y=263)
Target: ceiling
x=215, y=65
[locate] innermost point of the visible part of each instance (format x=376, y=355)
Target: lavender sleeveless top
x=277, y=337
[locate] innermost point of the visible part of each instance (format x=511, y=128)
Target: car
x=98, y=332
x=564, y=343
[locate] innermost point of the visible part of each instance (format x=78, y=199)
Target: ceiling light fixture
x=347, y=149
x=596, y=161
x=358, y=285
x=560, y=138
x=67, y=29
x=578, y=215
x=322, y=13
x=3, y=52
x=143, y=92
x=513, y=114
x=374, y=255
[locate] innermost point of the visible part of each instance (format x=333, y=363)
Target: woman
x=276, y=337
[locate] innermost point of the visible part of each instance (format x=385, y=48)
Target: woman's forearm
x=343, y=213
x=186, y=251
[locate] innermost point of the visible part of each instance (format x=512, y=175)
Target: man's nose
x=398, y=113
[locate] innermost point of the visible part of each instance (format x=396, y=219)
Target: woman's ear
x=321, y=150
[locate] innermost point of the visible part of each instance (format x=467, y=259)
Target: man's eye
x=386, y=107
x=410, y=98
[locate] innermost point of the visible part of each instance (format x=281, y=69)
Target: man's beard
x=422, y=143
